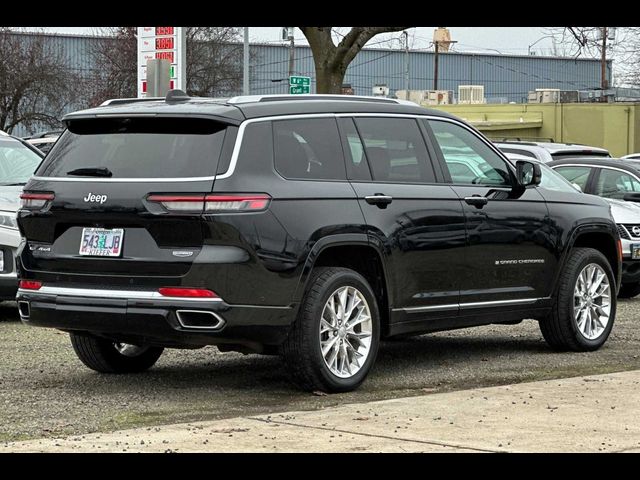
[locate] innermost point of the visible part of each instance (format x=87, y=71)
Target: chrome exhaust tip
x=199, y=319
x=24, y=309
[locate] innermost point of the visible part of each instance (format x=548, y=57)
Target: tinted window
x=357, y=167
x=17, y=162
x=395, y=150
x=577, y=175
x=309, y=149
x=614, y=184
x=135, y=148
x=459, y=145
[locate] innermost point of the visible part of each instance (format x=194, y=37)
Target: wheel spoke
x=328, y=345
x=325, y=326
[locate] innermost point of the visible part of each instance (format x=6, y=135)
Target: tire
x=629, y=290
x=103, y=356
x=302, y=351
x=561, y=329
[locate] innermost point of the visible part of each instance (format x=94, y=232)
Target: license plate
x=635, y=251
x=101, y=242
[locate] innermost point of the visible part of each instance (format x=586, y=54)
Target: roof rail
x=284, y=97
x=122, y=101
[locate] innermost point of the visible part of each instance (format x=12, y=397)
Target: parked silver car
x=549, y=151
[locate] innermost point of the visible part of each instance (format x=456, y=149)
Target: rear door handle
x=379, y=199
x=477, y=201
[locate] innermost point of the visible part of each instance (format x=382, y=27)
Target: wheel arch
x=601, y=237
x=356, y=252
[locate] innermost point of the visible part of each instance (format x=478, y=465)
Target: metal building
x=506, y=78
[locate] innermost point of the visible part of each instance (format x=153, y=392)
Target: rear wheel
x=585, y=309
x=106, y=356
x=629, y=290
x=334, y=342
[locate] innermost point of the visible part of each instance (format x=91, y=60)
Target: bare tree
x=622, y=47
x=331, y=60
x=35, y=85
x=214, y=62
x=114, y=73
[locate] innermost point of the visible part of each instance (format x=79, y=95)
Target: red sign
x=164, y=43
x=165, y=56
x=164, y=30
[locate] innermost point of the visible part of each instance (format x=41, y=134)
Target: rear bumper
x=144, y=317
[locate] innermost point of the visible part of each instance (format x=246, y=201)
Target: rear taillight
x=30, y=284
x=232, y=202
x=186, y=292
x=35, y=201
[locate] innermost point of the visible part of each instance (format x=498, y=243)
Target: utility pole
x=406, y=73
x=435, y=68
x=292, y=53
x=245, y=61
x=604, y=83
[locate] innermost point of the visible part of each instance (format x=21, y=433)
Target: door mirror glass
x=529, y=173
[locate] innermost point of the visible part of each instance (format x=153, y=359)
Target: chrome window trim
x=117, y=294
x=238, y=144
x=465, y=306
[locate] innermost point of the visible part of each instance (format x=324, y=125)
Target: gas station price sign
x=163, y=43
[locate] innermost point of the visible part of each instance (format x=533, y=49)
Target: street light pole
x=435, y=69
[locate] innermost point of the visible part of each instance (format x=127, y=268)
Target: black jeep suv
x=305, y=226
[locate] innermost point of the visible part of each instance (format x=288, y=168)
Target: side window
x=459, y=146
x=308, y=148
x=614, y=184
x=395, y=150
x=357, y=166
x=577, y=175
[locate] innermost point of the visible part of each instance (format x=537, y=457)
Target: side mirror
x=528, y=173
x=632, y=197
x=577, y=187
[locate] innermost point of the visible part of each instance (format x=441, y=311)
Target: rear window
x=137, y=148
x=579, y=154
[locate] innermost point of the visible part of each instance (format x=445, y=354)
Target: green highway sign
x=299, y=89
x=306, y=81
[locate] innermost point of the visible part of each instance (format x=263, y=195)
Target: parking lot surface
x=46, y=392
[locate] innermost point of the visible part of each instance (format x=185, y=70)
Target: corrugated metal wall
x=506, y=78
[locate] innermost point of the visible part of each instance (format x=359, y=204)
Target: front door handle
x=379, y=199
x=477, y=201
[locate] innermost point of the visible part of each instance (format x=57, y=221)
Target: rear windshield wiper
x=91, y=172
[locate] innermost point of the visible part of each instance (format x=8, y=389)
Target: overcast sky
x=509, y=40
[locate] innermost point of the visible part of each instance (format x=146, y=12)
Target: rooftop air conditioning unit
x=544, y=95
x=471, y=94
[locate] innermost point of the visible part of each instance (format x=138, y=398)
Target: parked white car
x=18, y=161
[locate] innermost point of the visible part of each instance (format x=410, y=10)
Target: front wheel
x=585, y=309
x=334, y=342
x=106, y=356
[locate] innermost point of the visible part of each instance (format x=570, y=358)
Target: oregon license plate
x=101, y=242
x=635, y=251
